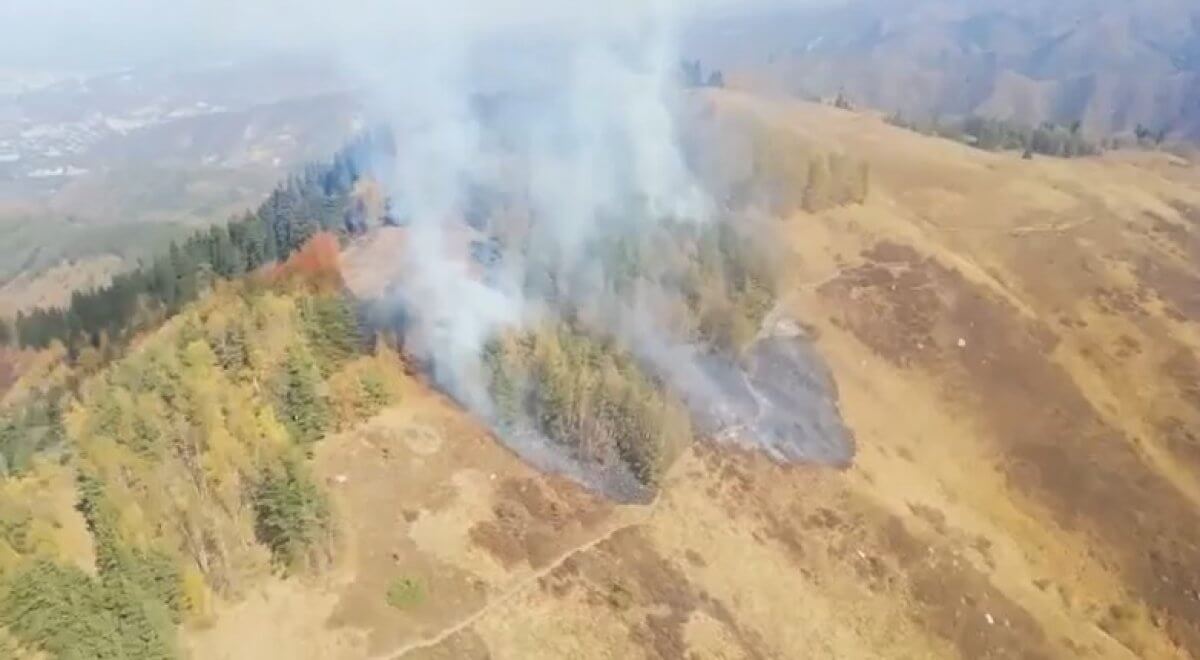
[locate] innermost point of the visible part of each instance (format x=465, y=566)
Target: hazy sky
x=103, y=33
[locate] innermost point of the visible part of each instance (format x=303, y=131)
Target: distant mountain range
x=1110, y=64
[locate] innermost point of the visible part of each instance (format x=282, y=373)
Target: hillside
x=1014, y=347
x=1009, y=346
x=53, y=287
x=1112, y=65
x=137, y=493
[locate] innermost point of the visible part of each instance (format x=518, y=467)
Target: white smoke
x=568, y=121
x=590, y=140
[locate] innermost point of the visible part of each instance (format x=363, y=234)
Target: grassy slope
x=1026, y=491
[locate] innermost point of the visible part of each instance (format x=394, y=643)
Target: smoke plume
x=540, y=174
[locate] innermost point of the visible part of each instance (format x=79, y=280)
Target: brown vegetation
x=1085, y=470
x=317, y=262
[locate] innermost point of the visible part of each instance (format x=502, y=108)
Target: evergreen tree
x=305, y=411
x=60, y=610
x=259, y=244
x=291, y=514
x=224, y=255
x=301, y=231
x=165, y=287
x=187, y=286
x=332, y=326
x=140, y=590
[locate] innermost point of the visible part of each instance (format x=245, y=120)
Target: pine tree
x=291, y=514
x=140, y=590
x=187, y=286
x=60, y=610
x=165, y=283
x=305, y=411
x=332, y=327
x=224, y=256
x=259, y=242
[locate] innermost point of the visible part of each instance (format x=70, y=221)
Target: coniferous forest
x=315, y=200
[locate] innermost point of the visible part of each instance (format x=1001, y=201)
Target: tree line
x=315, y=200
x=1047, y=139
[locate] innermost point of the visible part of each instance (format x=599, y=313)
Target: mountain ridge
x=1112, y=65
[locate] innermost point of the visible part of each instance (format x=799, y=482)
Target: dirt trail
x=515, y=590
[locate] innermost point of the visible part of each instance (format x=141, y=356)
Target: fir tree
x=305, y=411
x=291, y=514
x=332, y=327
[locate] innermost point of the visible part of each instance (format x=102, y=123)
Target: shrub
x=363, y=387
x=404, y=593
x=375, y=394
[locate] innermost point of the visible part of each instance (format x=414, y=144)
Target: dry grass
x=1017, y=493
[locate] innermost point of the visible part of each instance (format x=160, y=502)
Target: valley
x=99, y=169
